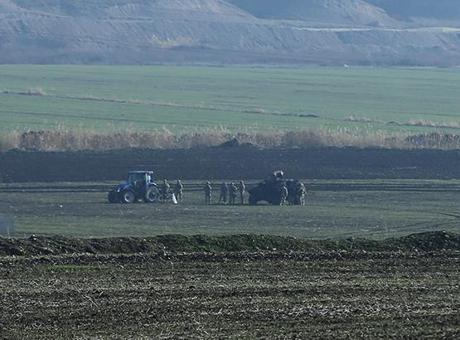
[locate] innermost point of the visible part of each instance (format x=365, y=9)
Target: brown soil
x=273, y=245
x=233, y=162
x=239, y=295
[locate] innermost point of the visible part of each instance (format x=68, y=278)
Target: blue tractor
x=140, y=186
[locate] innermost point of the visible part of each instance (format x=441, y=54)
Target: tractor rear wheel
x=113, y=197
x=152, y=195
x=128, y=197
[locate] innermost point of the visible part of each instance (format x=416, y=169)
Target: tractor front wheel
x=128, y=197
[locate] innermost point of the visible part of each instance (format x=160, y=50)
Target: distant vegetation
x=77, y=140
x=103, y=107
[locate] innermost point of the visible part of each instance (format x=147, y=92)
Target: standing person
x=223, y=193
x=165, y=189
x=242, y=189
x=284, y=193
x=301, y=193
x=233, y=193
x=207, y=193
x=178, y=190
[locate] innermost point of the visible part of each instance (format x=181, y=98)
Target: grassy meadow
x=113, y=98
x=373, y=209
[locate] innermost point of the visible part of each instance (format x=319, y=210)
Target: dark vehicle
x=270, y=190
x=139, y=187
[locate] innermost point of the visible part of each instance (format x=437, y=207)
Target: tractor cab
x=140, y=178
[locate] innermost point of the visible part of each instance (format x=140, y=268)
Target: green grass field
x=107, y=98
x=387, y=209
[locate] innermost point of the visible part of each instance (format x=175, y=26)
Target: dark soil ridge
x=173, y=244
x=238, y=162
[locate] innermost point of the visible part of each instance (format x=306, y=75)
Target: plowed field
x=238, y=162
x=326, y=294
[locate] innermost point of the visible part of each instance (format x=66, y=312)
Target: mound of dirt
x=235, y=143
x=57, y=245
x=429, y=241
x=434, y=140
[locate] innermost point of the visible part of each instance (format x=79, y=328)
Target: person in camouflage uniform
x=223, y=193
x=165, y=190
x=233, y=193
x=242, y=189
x=284, y=193
x=301, y=193
x=207, y=193
x=178, y=190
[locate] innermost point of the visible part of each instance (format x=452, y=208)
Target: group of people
x=232, y=193
x=229, y=193
x=298, y=196
x=165, y=190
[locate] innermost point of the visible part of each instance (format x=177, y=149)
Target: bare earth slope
x=112, y=9
x=145, y=32
x=422, y=10
x=356, y=12
x=331, y=12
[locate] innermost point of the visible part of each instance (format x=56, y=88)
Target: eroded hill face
x=7, y=6
x=413, y=9
x=122, y=9
x=216, y=31
x=354, y=11
x=331, y=12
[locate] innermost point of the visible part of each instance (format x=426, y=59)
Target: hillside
x=113, y=9
x=331, y=12
x=443, y=10
x=355, y=12
x=217, y=31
